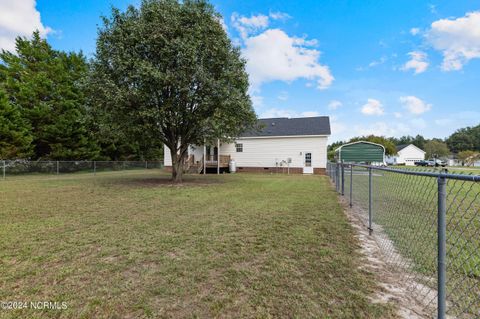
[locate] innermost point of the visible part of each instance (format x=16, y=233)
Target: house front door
x=307, y=163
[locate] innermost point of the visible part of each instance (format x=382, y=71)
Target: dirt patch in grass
x=165, y=181
x=393, y=289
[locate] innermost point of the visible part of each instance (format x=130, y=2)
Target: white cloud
x=274, y=112
x=415, y=105
x=277, y=15
x=397, y=115
x=255, y=23
x=457, y=39
x=273, y=55
x=305, y=42
x=373, y=107
x=414, y=31
x=418, y=62
x=334, y=104
x=245, y=26
x=19, y=18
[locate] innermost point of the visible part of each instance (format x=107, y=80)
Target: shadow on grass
x=165, y=181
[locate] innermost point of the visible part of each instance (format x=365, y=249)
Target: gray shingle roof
x=401, y=147
x=282, y=126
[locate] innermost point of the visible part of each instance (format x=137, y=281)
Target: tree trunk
x=177, y=164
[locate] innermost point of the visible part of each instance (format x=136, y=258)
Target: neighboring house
x=453, y=161
x=298, y=145
x=407, y=155
x=471, y=161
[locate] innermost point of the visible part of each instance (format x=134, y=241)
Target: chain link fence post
x=334, y=173
x=343, y=178
x=370, y=202
x=94, y=168
x=4, y=168
x=351, y=185
x=58, y=169
x=332, y=167
x=337, y=182
x=442, y=238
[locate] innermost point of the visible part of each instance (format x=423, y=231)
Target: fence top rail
x=461, y=177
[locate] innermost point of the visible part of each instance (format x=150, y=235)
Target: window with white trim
x=239, y=147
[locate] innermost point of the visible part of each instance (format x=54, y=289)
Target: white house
x=407, y=155
x=298, y=145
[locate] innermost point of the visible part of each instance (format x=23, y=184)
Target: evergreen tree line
x=48, y=110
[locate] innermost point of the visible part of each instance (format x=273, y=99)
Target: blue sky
x=384, y=67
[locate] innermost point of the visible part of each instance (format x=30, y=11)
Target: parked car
x=437, y=163
x=431, y=163
x=421, y=163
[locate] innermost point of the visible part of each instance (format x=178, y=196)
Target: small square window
x=239, y=147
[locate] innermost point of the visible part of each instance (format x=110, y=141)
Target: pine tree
x=45, y=85
x=15, y=134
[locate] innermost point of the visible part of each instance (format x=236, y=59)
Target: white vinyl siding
x=409, y=155
x=167, y=158
x=265, y=152
x=195, y=150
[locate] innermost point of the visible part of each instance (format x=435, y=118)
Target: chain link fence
x=427, y=224
x=13, y=168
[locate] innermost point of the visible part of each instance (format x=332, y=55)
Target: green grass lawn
x=464, y=170
x=451, y=169
x=130, y=245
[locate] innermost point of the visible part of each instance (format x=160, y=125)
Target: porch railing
x=224, y=159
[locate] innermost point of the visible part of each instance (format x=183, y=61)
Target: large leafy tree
x=15, y=134
x=168, y=71
x=468, y=157
x=45, y=85
x=436, y=148
x=465, y=139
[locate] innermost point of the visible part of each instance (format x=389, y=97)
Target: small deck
x=213, y=162
x=210, y=162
